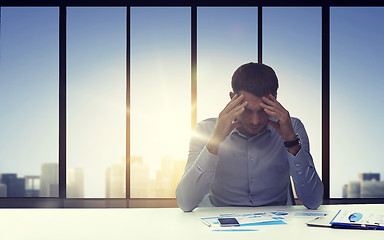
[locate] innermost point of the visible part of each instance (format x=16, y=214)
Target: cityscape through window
x=159, y=88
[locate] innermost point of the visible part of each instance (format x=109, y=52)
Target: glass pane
x=227, y=38
x=96, y=102
x=160, y=99
x=292, y=47
x=29, y=94
x=357, y=114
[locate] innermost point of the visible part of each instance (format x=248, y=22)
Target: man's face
x=253, y=120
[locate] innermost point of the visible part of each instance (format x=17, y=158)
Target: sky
x=226, y=39
x=160, y=83
x=28, y=89
x=356, y=93
x=96, y=93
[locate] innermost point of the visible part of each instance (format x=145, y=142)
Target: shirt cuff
x=207, y=161
x=300, y=162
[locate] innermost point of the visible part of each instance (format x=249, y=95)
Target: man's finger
x=272, y=98
x=236, y=111
x=272, y=113
x=235, y=101
x=275, y=125
x=236, y=124
x=267, y=107
x=269, y=101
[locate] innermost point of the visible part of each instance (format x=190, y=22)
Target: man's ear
x=231, y=94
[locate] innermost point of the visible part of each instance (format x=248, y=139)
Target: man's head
x=254, y=80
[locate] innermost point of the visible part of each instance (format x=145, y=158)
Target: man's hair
x=256, y=78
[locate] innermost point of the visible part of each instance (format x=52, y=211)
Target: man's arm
x=200, y=169
x=203, y=150
x=308, y=186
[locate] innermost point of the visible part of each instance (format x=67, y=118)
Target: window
x=29, y=102
x=356, y=102
x=160, y=99
x=161, y=48
x=96, y=86
x=292, y=47
x=227, y=38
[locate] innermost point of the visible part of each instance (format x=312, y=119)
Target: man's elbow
x=186, y=208
x=183, y=202
x=313, y=205
x=316, y=200
x=184, y=205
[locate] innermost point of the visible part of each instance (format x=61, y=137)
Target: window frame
x=63, y=202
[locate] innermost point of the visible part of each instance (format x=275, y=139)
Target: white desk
x=166, y=223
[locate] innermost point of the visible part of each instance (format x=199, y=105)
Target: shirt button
x=302, y=185
x=297, y=165
x=252, y=179
x=251, y=158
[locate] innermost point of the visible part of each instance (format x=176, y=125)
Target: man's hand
x=226, y=123
x=284, y=124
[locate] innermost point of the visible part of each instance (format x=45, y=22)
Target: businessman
x=246, y=156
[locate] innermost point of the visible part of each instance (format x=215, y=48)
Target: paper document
x=246, y=220
x=358, y=219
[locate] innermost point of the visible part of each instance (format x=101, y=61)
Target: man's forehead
x=253, y=101
x=249, y=97
x=253, y=104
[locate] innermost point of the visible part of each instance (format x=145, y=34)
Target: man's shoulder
x=209, y=121
x=296, y=123
x=206, y=124
x=295, y=120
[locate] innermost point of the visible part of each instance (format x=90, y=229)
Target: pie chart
x=354, y=217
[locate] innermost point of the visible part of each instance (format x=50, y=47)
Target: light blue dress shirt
x=247, y=171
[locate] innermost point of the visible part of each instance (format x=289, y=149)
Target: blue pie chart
x=354, y=217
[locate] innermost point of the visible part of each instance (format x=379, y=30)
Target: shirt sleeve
x=199, y=171
x=308, y=186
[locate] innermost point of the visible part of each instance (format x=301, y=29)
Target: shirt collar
x=267, y=130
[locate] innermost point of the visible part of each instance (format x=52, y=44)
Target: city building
x=6, y=178
x=54, y=190
x=16, y=188
x=372, y=189
x=165, y=183
x=75, y=183
x=115, y=181
x=353, y=189
x=369, y=176
x=32, y=186
x=368, y=186
x=140, y=178
x=15, y=185
x=163, y=179
x=49, y=180
x=345, y=191
x=3, y=190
